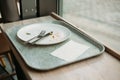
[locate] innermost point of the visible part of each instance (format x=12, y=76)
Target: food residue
x=28, y=33
x=55, y=36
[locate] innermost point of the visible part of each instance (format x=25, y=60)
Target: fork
x=40, y=35
x=45, y=35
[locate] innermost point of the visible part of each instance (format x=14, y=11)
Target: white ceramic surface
x=60, y=33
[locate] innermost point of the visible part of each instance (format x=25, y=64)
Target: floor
x=103, y=11
x=8, y=68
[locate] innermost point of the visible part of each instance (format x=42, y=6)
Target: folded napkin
x=70, y=51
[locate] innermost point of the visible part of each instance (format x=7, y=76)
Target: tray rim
x=73, y=61
x=101, y=51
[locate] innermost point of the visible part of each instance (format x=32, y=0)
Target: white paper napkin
x=70, y=51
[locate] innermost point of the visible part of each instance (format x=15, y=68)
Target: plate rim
x=64, y=39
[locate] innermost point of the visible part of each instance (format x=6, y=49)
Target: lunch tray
x=39, y=57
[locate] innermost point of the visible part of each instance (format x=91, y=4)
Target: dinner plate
x=60, y=33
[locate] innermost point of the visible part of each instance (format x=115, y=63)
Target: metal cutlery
x=40, y=34
x=45, y=35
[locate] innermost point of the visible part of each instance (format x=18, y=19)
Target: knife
x=47, y=34
x=42, y=33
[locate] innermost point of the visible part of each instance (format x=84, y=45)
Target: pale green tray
x=39, y=57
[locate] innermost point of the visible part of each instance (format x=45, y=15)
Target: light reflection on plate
x=60, y=33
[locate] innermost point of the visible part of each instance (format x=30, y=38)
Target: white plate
x=60, y=33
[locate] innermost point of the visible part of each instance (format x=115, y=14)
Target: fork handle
x=36, y=40
x=30, y=39
x=42, y=37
